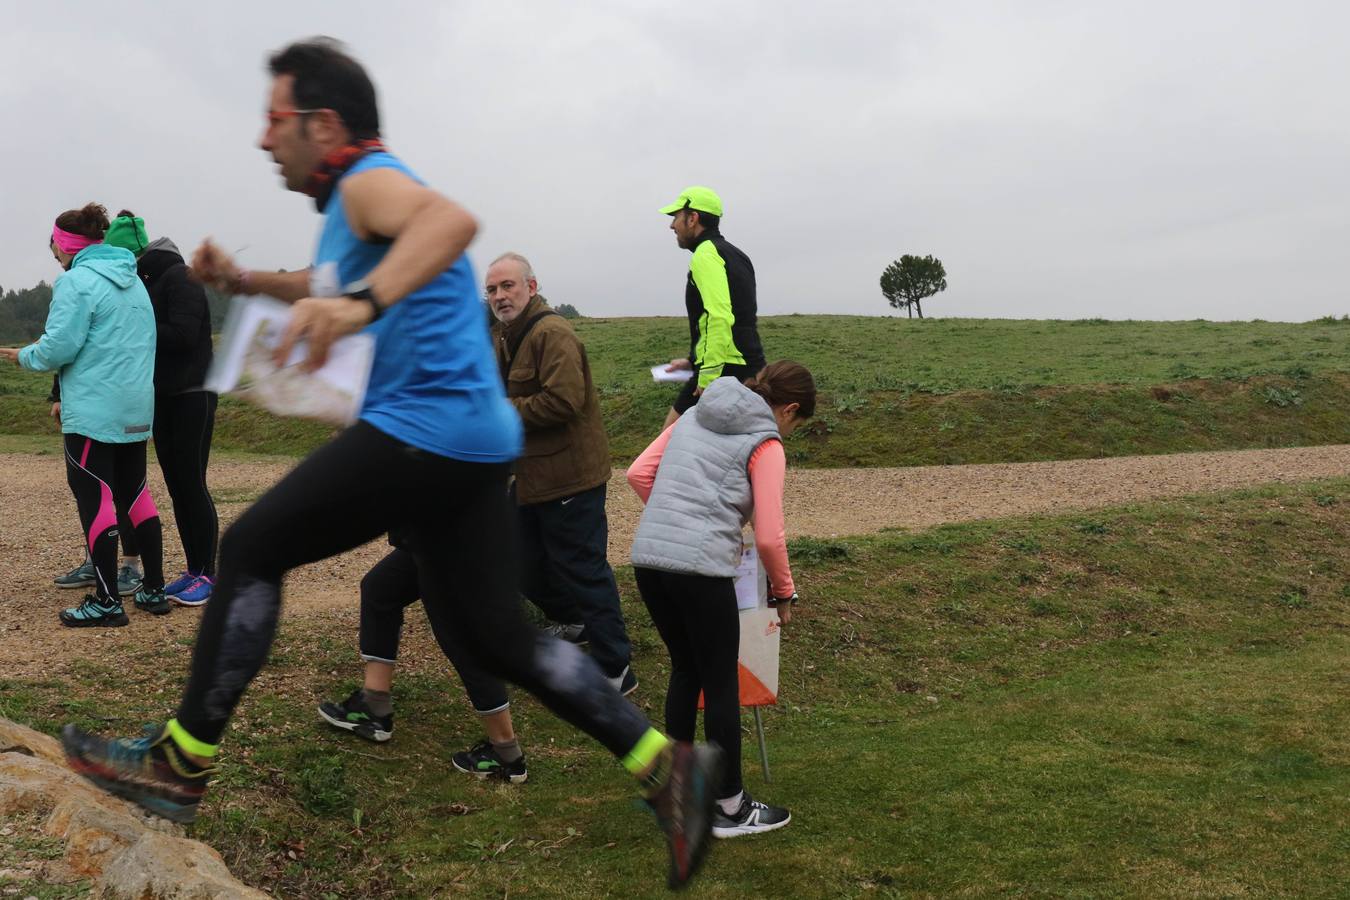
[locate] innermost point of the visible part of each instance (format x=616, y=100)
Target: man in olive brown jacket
x=563, y=472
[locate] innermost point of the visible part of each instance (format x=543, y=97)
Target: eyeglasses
x=275, y=116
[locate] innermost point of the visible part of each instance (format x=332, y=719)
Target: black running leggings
x=454, y=517
x=108, y=481
x=697, y=618
x=183, y=427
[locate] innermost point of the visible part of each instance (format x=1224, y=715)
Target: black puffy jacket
x=182, y=316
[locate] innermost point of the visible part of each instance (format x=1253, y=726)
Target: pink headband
x=71, y=243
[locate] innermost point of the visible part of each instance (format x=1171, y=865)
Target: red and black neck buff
x=335, y=165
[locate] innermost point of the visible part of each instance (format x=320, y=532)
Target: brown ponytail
x=90, y=222
x=784, y=382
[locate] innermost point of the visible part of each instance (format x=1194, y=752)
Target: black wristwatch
x=778, y=601
x=360, y=290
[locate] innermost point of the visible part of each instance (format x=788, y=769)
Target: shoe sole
x=356, y=728
x=484, y=776
x=190, y=604
x=743, y=830
x=74, y=585
x=106, y=622
x=156, y=610
x=165, y=809
x=129, y=592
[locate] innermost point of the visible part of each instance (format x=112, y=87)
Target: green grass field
x=1149, y=701
x=909, y=392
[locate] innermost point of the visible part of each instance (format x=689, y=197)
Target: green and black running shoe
x=95, y=613
x=354, y=715
x=153, y=602
x=482, y=762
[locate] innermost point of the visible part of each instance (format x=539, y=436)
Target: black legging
x=183, y=427
x=697, y=618
x=390, y=587
x=108, y=481
x=453, y=517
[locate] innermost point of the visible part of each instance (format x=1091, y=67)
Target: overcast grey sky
x=1064, y=159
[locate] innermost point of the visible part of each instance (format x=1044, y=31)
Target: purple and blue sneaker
x=196, y=593
x=179, y=584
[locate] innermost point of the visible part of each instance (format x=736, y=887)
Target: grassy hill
x=906, y=392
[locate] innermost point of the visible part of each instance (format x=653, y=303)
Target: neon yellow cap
x=700, y=198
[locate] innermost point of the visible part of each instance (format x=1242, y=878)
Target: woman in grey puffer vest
x=703, y=479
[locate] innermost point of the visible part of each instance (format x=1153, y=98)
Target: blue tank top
x=434, y=383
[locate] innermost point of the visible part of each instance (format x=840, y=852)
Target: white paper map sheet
x=243, y=366
x=659, y=373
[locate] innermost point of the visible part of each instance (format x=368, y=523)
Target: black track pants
x=183, y=427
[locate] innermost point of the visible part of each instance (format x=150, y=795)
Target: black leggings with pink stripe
x=108, y=479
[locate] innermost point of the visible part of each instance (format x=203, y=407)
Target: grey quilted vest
x=701, y=499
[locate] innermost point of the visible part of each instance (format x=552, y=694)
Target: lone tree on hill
x=568, y=311
x=912, y=278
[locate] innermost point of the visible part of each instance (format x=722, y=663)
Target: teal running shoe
x=82, y=576
x=95, y=613
x=153, y=602
x=128, y=581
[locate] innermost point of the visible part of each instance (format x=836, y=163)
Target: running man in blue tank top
x=427, y=463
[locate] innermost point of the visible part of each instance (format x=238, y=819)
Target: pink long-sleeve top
x=768, y=470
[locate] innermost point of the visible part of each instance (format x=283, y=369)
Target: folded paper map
x=243, y=366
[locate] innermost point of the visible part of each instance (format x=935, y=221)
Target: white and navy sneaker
x=752, y=818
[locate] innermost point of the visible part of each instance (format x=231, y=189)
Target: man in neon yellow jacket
x=719, y=298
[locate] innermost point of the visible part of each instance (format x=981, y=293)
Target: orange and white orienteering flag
x=758, y=663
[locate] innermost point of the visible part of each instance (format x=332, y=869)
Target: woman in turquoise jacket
x=100, y=337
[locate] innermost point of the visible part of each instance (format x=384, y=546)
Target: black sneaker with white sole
x=624, y=683
x=482, y=762
x=355, y=715
x=752, y=818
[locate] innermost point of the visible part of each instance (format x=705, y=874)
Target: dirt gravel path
x=40, y=537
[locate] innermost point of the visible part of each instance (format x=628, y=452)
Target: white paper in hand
x=750, y=585
x=679, y=376
x=243, y=366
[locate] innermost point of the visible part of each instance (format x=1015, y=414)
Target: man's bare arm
x=216, y=269
x=429, y=231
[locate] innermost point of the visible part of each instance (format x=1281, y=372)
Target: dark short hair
x=327, y=77
x=706, y=219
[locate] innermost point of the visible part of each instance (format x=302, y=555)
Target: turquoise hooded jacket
x=100, y=334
